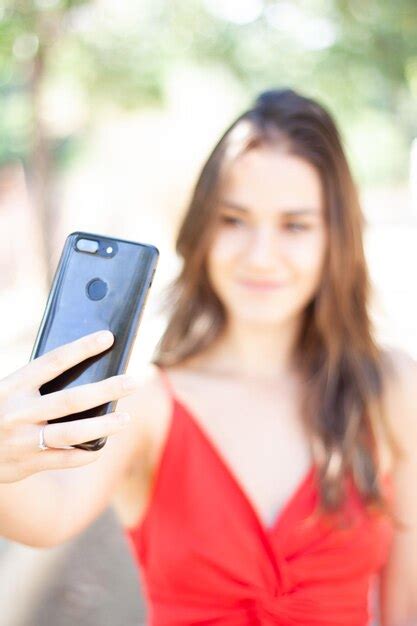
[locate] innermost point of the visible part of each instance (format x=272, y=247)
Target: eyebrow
x=294, y=211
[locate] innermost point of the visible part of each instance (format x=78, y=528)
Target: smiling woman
x=276, y=485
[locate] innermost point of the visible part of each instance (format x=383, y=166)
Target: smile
x=261, y=285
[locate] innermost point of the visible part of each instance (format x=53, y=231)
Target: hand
x=23, y=411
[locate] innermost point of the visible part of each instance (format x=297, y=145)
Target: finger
x=80, y=431
x=61, y=459
x=70, y=401
x=49, y=365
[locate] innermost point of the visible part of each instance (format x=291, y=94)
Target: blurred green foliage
x=358, y=58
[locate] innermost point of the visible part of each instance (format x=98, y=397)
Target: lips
x=261, y=284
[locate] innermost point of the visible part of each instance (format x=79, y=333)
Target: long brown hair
x=343, y=368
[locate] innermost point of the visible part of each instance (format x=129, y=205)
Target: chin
x=277, y=311
x=262, y=316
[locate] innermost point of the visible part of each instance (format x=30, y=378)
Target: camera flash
x=109, y=250
x=87, y=245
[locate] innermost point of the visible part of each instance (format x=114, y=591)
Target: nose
x=262, y=248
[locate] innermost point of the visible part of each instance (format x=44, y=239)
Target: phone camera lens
x=96, y=289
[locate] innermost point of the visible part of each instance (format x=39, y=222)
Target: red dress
x=205, y=557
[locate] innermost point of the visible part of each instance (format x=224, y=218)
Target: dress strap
x=166, y=381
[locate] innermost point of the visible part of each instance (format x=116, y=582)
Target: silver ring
x=42, y=445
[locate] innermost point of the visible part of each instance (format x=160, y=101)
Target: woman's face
x=265, y=262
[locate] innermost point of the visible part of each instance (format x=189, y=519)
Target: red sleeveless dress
x=206, y=558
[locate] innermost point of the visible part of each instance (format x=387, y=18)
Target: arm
x=398, y=589
x=60, y=503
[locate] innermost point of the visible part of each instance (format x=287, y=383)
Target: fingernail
x=130, y=383
x=123, y=418
x=105, y=337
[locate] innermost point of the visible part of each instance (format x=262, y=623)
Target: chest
x=258, y=438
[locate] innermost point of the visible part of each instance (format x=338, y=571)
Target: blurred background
x=108, y=109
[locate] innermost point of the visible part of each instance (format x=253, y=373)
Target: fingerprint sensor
x=96, y=289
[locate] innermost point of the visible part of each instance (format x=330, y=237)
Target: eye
x=229, y=219
x=296, y=226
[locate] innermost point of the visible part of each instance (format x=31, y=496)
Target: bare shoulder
x=397, y=595
x=149, y=407
x=400, y=397
x=402, y=362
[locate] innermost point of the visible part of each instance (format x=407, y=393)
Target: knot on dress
x=271, y=609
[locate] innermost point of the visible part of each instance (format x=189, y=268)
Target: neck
x=256, y=352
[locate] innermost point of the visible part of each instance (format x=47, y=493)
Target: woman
x=266, y=476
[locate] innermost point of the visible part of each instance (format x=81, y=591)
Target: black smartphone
x=101, y=283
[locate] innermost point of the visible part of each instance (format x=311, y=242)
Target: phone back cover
x=71, y=313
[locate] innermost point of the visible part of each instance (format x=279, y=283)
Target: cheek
x=226, y=248
x=309, y=255
x=222, y=259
